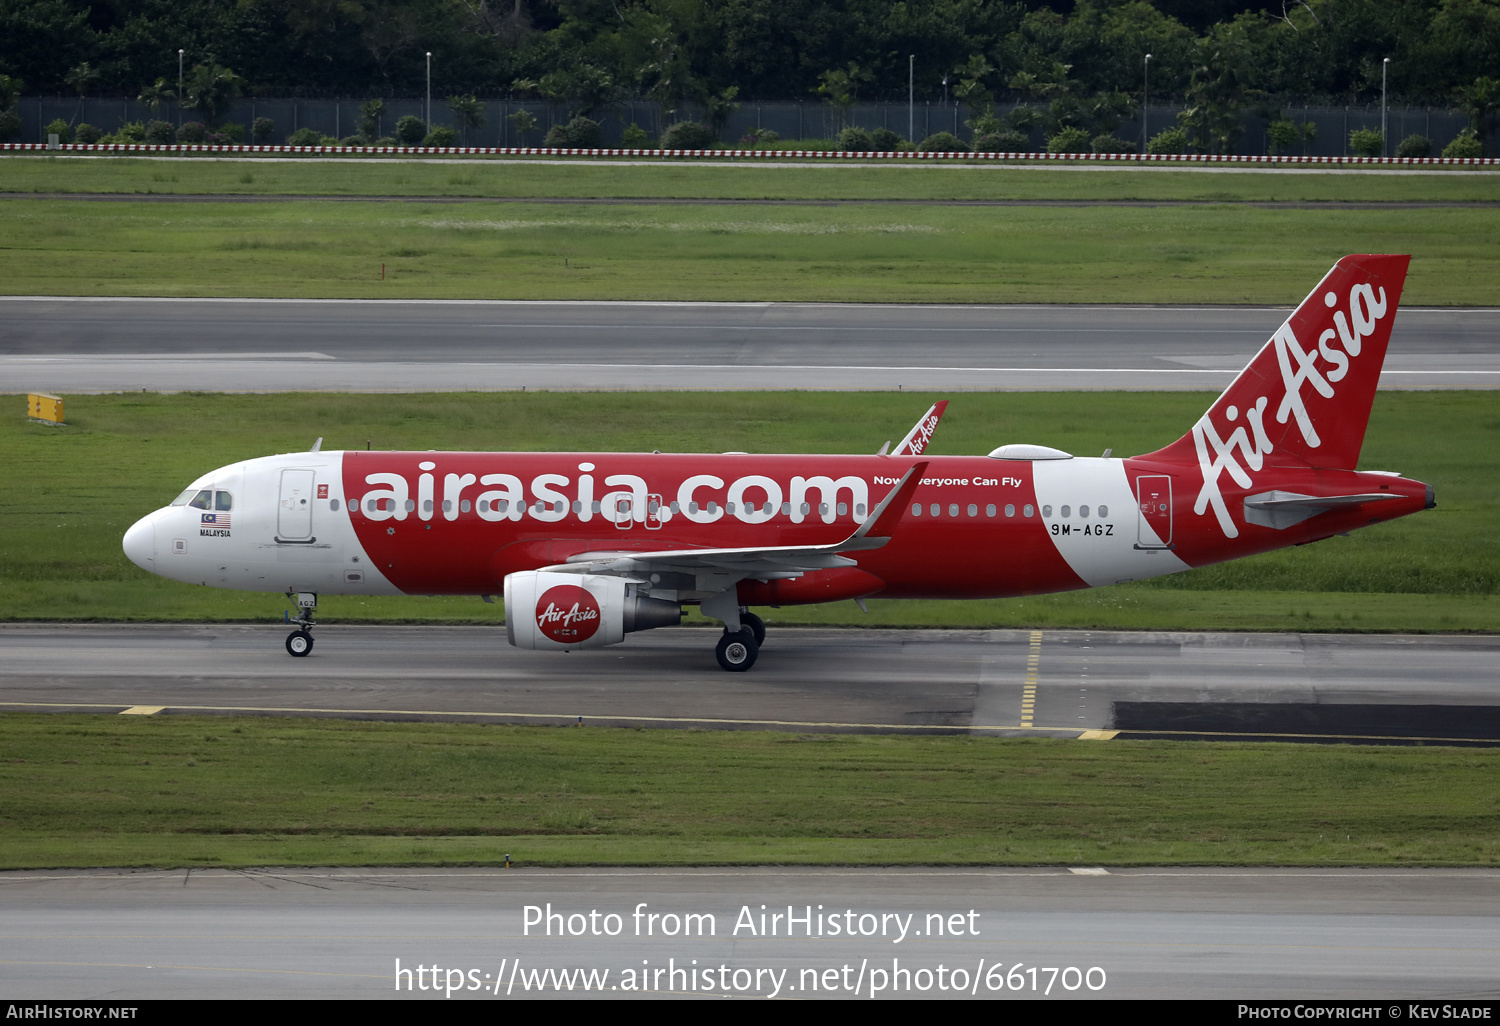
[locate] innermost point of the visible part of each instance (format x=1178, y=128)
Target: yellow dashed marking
x=1028, y=692
x=142, y=710
x=1098, y=735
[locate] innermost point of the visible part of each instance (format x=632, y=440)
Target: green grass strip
x=179, y=790
x=675, y=180
x=78, y=488
x=867, y=253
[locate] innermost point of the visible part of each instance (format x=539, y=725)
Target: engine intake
x=557, y=611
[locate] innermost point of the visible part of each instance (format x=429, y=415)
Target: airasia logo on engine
x=567, y=613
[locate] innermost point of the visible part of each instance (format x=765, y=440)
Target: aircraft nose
x=140, y=544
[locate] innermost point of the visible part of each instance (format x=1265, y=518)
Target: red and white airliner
x=588, y=547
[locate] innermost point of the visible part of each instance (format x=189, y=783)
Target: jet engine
x=555, y=611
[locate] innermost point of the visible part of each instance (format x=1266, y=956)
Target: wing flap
x=756, y=561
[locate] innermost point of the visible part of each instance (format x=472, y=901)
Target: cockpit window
x=223, y=501
x=203, y=500
x=182, y=500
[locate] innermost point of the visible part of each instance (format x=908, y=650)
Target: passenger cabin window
x=1083, y=511
x=1067, y=511
x=1103, y=512
x=1046, y=511
x=1010, y=510
x=1026, y=512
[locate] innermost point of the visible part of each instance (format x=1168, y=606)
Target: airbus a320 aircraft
x=588, y=547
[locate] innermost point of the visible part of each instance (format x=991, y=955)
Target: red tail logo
x=1305, y=398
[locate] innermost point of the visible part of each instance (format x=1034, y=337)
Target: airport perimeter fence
x=790, y=120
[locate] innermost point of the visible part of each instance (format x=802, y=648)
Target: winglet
x=917, y=438
x=884, y=517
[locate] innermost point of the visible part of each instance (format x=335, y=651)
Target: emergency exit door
x=294, y=512
x=1153, y=494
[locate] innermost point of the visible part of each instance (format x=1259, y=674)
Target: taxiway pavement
x=1370, y=688
x=77, y=345
x=1367, y=935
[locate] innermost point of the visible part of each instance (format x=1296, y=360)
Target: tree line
x=1077, y=63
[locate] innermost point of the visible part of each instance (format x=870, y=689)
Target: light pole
x=911, y=97
x=1145, y=103
x=428, y=117
x=1384, y=146
x=179, y=88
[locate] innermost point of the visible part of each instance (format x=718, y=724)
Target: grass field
x=677, y=180
x=124, y=455
x=173, y=791
x=323, y=248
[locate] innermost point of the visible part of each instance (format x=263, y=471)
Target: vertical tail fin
x=1305, y=398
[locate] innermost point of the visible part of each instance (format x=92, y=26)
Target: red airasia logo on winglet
x=567, y=614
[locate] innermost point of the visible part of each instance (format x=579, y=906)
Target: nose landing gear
x=300, y=641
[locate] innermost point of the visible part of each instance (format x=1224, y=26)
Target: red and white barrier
x=558, y=151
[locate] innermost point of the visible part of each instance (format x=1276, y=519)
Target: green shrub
x=1006, y=141
x=305, y=137
x=160, y=133
x=352, y=140
x=193, y=132
x=10, y=125
x=1281, y=135
x=688, y=135
x=1467, y=145
x=1111, y=144
x=130, y=132
x=855, y=140
x=1366, y=142
x=87, y=133
x=635, y=138
x=884, y=140
x=1415, y=146
x=942, y=142
x=759, y=137
x=1069, y=140
x=261, y=129
x=580, y=133
x=59, y=128
x=234, y=133
x=385, y=140
x=1173, y=140
x=411, y=130
x=442, y=135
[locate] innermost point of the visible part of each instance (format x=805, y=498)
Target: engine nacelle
x=549, y=610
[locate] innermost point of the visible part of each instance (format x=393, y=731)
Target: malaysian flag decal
x=215, y=520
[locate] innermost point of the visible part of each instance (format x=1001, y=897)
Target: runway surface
x=108, y=345
x=1379, y=689
x=1261, y=934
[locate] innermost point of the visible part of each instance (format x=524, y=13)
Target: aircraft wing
x=917, y=438
x=759, y=562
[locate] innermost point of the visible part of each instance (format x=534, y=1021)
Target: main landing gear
x=300, y=641
x=737, y=650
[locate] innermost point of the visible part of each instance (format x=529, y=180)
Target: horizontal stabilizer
x=1280, y=510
